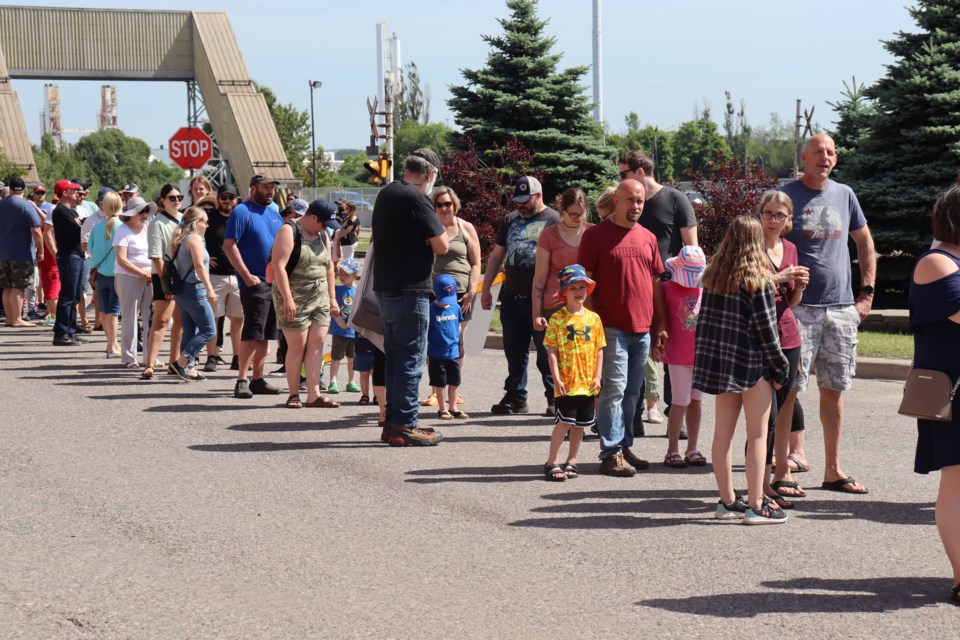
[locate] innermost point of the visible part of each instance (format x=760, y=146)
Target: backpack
x=294, y=253
x=170, y=279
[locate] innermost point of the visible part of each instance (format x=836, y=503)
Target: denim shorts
x=107, y=299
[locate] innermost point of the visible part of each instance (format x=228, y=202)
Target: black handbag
x=928, y=395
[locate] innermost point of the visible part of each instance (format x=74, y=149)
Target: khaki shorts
x=828, y=346
x=227, y=289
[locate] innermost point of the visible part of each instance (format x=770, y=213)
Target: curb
x=873, y=368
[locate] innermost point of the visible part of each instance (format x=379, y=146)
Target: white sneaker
x=653, y=416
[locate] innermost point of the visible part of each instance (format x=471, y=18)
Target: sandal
x=695, y=459
x=364, y=400
x=782, y=502
x=554, y=472
x=955, y=594
x=801, y=468
x=147, y=373
x=430, y=401
x=322, y=403
x=674, y=461
x=570, y=470
x=444, y=415
x=795, y=490
x=293, y=402
x=459, y=415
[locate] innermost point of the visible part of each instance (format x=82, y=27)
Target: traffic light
x=379, y=169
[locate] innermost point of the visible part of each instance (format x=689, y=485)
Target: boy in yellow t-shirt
x=574, y=342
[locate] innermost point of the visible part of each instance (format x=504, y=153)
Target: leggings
x=780, y=396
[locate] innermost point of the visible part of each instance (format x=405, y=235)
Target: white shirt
x=136, y=244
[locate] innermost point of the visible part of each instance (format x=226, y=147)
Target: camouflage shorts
x=829, y=345
x=16, y=274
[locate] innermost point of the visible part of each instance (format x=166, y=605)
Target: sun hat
x=686, y=268
x=571, y=275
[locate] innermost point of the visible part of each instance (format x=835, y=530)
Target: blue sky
x=660, y=59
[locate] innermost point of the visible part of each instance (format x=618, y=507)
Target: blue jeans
x=405, y=321
x=517, y=322
x=71, y=289
x=199, y=325
x=624, y=368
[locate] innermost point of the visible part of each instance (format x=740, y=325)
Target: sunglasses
x=623, y=174
x=444, y=205
x=39, y=193
x=175, y=198
x=226, y=197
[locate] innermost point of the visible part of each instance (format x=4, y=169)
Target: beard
x=261, y=198
x=427, y=187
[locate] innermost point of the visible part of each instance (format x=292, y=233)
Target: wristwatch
x=867, y=289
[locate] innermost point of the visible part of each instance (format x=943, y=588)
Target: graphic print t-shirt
x=683, y=308
x=577, y=338
x=519, y=236
x=345, y=296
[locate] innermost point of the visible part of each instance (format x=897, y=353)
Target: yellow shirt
x=577, y=338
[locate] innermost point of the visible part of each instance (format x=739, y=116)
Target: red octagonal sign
x=190, y=147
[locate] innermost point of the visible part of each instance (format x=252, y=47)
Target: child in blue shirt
x=343, y=335
x=443, y=346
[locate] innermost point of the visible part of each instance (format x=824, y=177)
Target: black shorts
x=342, y=346
x=259, y=319
x=580, y=411
x=444, y=372
x=158, y=292
x=379, y=368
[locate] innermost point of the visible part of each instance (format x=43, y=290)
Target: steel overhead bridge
x=129, y=44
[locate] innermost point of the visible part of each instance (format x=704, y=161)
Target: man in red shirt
x=624, y=259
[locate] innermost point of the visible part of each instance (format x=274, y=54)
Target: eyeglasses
x=779, y=217
x=443, y=205
x=175, y=198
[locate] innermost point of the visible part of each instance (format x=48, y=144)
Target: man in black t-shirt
x=70, y=259
x=223, y=278
x=516, y=250
x=406, y=235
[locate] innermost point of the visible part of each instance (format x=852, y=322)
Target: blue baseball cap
x=349, y=266
x=445, y=289
x=325, y=211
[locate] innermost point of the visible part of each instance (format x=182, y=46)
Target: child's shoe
x=353, y=387
x=333, y=387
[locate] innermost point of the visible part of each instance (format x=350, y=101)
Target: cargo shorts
x=828, y=346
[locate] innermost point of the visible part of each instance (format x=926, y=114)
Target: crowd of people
x=602, y=304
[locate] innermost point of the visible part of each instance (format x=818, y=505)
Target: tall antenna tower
x=108, y=107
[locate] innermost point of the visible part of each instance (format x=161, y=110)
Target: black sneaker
x=182, y=373
x=78, y=339
x=510, y=403
x=210, y=366
x=235, y=363
x=279, y=373
x=733, y=511
x=261, y=387
x=768, y=513
x=65, y=342
x=242, y=390
x=551, y=411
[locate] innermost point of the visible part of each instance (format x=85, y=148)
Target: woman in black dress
x=935, y=324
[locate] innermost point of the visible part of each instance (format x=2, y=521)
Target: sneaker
x=182, y=373
x=65, y=342
x=551, y=411
x=210, y=366
x=683, y=433
x=49, y=321
x=510, y=403
x=616, y=466
x=353, y=387
x=279, y=373
x=235, y=363
x=333, y=387
x=303, y=384
x=261, y=387
x=735, y=510
x=637, y=463
x=33, y=315
x=385, y=430
x=768, y=513
x=653, y=416
x=242, y=390
x=78, y=339
x=414, y=437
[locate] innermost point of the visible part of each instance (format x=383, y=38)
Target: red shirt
x=623, y=262
x=786, y=321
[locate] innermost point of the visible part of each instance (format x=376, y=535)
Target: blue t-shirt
x=102, y=253
x=254, y=227
x=822, y=222
x=443, y=338
x=17, y=217
x=345, y=296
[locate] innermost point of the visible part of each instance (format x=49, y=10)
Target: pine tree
x=521, y=95
x=912, y=149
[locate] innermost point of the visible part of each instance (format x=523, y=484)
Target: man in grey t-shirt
x=825, y=213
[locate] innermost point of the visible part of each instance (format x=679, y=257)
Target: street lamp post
x=314, y=84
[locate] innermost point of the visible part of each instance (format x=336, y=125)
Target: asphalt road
x=171, y=510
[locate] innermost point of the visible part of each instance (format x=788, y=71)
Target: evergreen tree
x=912, y=150
x=521, y=95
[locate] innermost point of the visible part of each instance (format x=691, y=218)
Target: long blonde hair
x=111, y=206
x=740, y=261
x=187, y=226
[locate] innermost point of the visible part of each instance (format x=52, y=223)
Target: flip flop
x=801, y=468
x=844, y=485
x=782, y=502
x=322, y=403
x=787, y=484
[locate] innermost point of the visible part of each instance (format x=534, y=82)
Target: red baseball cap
x=63, y=185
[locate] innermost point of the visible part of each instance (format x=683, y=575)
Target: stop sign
x=190, y=147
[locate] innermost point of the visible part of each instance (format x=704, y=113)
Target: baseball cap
x=429, y=155
x=263, y=178
x=226, y=188
x=349, y=265
x=17, y=185
x=63, y=185
x=445, y=289
x=130, y=187
x=84, y=184
x=325, y=211
x=686, y=268
x=299, y=206
x=103, y=191
x=136, y=205
x=526, y=186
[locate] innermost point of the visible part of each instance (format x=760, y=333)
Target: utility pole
x=314, y=84
x=388, y=126
x=597, y=65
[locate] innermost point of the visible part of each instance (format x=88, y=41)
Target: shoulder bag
x=928, y=395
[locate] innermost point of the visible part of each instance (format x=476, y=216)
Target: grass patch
x=873, y=344
x=495, y=325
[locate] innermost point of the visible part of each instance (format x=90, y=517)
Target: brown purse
x=928, y=395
